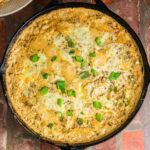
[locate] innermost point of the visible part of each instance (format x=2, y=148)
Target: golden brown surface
x=2, y=2
x=46, y=36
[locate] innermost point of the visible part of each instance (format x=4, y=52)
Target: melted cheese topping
x=47, y=37
x=2, y=2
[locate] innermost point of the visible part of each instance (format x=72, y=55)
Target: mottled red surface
x=135, y=137
x=24, y=145
x=2, y=37
x=148, y=2
x=129, y=10
x=108, y=145
x=45, y=146
x=107, y=2
x=148, y=39
x=137, y=119
x=133, y=140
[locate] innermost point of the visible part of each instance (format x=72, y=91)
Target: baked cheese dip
x=74, y=75
x=2, y=2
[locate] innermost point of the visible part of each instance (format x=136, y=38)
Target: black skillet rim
x=119, y=20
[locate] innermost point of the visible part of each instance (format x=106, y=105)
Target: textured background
x=137, y=134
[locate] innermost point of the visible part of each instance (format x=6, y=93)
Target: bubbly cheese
x=52, y=37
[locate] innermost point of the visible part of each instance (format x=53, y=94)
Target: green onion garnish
x=60, y=102
x=98, y=117
x=93, y=71
x=79, y=59
x=44, y=90
x=114, y=76
x=70, y=42
x=97, y=104
x=53, y=58
x=79, y=121
x=74, y=93
x=45, y=75
x=69, y=113
x=72, y=51
x=58, y=113
x=92, y=55
x=71, y=93
x=83, y=63
x=84, y=75
x=82, y=113
x=98, y=41
x=61, y=85
x=115, y=89
x=51, y=125
x=35, y=58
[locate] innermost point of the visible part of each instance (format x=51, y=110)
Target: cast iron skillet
x=100, y=6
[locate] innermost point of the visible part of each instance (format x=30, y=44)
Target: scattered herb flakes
x=114, y=76
x=97, y=104
x=92, y=55
x=98, y=117
x=61, y=85
x=44, y=90
x=35, y=58
x=70, y=42
x=50, y=125
x=80, y=121
x=60, y=102
x=98, y=41
x=85, y=75
x=69, y=113
x=53, y=58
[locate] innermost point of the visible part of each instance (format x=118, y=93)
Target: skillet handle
x=53, y=3
x=100, y=4
x=72, y=148
x=1, y=70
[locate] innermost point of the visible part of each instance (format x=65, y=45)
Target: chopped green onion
x=98, y=41
x=72, y=51
x=70, y=42
x=79, y=121
x=110, y=89
x=87, y=122
x=93, y=71
x=98, y=117
x=69, y=113
x=61, y=85
x=45, y=75
x=78, y=58
x=92, y=55
x=51, y=125
x=35, y=58
x=71, y=93
x=97, y=104
x=82, y=113
x=83, y=63
x=44, y=90
x=74, y=93
x=62, y=117
x=58, y=113
x=114, y=76
x=53, y=58
x=84, y=75
x=60, y=102
x=115, y=89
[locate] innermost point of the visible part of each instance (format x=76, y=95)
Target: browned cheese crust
x=2, y=2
